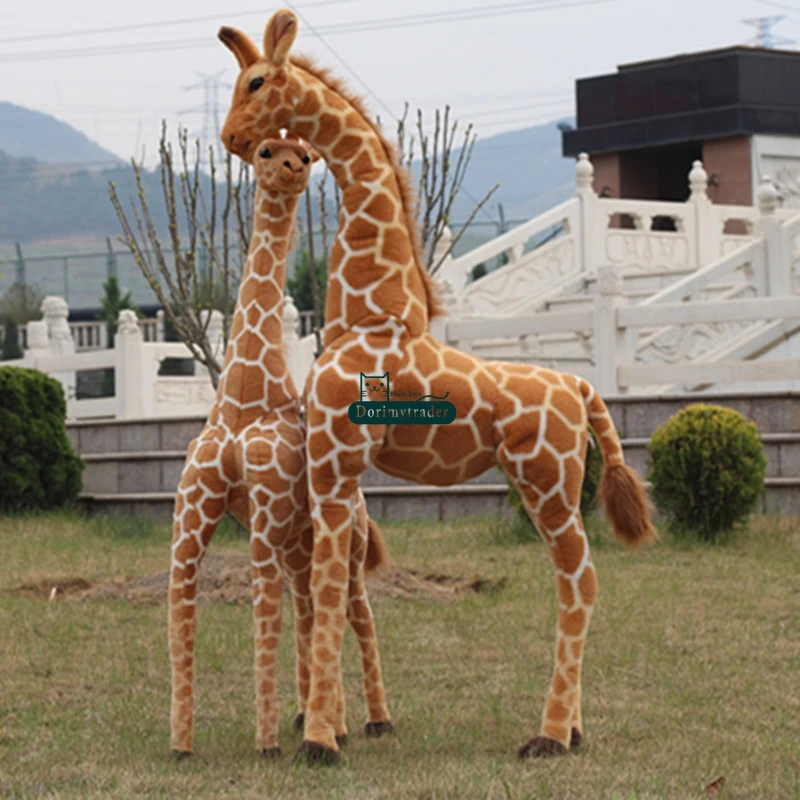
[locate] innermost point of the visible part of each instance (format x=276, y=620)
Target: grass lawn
x=692, y=672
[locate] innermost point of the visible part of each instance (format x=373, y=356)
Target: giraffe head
x=283, y=165
x=267, y=90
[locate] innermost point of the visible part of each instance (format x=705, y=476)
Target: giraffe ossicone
x=532, y=422
x=249, y=460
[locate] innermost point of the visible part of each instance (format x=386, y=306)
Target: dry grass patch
x=691, y=670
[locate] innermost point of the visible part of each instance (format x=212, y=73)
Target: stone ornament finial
x=698, y=178
x=584, y=172
x=609, y=281
x=767, y=196
x=290, y=313
x=127, y=323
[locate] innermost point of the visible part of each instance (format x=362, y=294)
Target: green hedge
x=39, y=470
x=707, y=469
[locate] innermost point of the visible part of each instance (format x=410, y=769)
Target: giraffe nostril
x=287, y=164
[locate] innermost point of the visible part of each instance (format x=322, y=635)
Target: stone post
x=587, y=233
x=611, y=345
x=215, y=334
x=38, y=345
x=291, y=341
x=777, y=250
x=59, y=338
x=706, y=236
x=451, y=306
x=131, y=380
x=448, y=271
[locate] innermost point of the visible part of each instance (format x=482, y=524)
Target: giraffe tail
x=377, y=553
x=621, y=490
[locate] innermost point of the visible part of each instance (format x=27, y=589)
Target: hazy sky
x=506, y=64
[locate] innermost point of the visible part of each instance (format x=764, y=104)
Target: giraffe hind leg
x=560, y=524
x=267, y=600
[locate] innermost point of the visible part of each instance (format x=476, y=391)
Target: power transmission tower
x=209, y=134
x=764, y=36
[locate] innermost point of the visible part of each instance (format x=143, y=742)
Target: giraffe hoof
x=180, y=755
x=374, y=730
x=341, y=739
x=271, y=753
x=313, y=753
x=542, y=747
x=299, y=722
x=575, y=739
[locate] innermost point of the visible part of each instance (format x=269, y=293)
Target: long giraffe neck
x=255, y=375
x=374, y=273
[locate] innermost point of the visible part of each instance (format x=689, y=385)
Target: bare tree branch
x=176, y=281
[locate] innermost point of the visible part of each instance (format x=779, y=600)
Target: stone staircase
x=133, y=467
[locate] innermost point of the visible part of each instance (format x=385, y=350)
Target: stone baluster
x=448, y=270
x=132, y=381
x=451, y=305
x=777, y=248
x=55, y=313
x=705, y=234
x=612, y=346
x=586, y=236
x=160, y=336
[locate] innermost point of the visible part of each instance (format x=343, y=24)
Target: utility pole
x=764, y=36
x=209, y=134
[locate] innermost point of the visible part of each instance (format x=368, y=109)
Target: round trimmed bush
x=707, y=469
x=591, y=479
x=39, y=470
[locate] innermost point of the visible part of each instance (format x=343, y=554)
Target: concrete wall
x=134, y=466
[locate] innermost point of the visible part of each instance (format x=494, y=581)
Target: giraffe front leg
x=193, y=527
x=267, y=598
x=576, y=591
x=329, y=583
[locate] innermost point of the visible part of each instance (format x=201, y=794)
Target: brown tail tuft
x=621, y=491
x=627, y=507
x=377, y=552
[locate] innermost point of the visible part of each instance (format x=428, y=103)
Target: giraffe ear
x=240, y=44
x=279, y=36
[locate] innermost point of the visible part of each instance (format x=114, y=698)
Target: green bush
x=591, y=480
x=707, y=469
x=38, y=468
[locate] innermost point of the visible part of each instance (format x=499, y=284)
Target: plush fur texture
x=405, y=186
x=250, y=460
x=533, y=422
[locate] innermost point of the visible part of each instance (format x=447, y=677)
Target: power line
x=381, y=24
x=161, y=24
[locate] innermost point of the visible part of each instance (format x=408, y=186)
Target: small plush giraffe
x=532, y=422
x=249, y=459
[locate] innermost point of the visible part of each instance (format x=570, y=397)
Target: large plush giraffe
x=250, y=460
x=531, y=421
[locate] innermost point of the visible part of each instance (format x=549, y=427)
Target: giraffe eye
x=255, y=84
x=265, y=153
x=306, y=159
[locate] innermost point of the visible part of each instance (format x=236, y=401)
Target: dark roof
x=727, y=92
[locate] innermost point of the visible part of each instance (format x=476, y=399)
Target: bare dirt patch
x=225, y=577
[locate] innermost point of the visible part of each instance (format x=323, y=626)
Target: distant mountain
x=528, y=165
x=40, y=202
x=25, y=133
